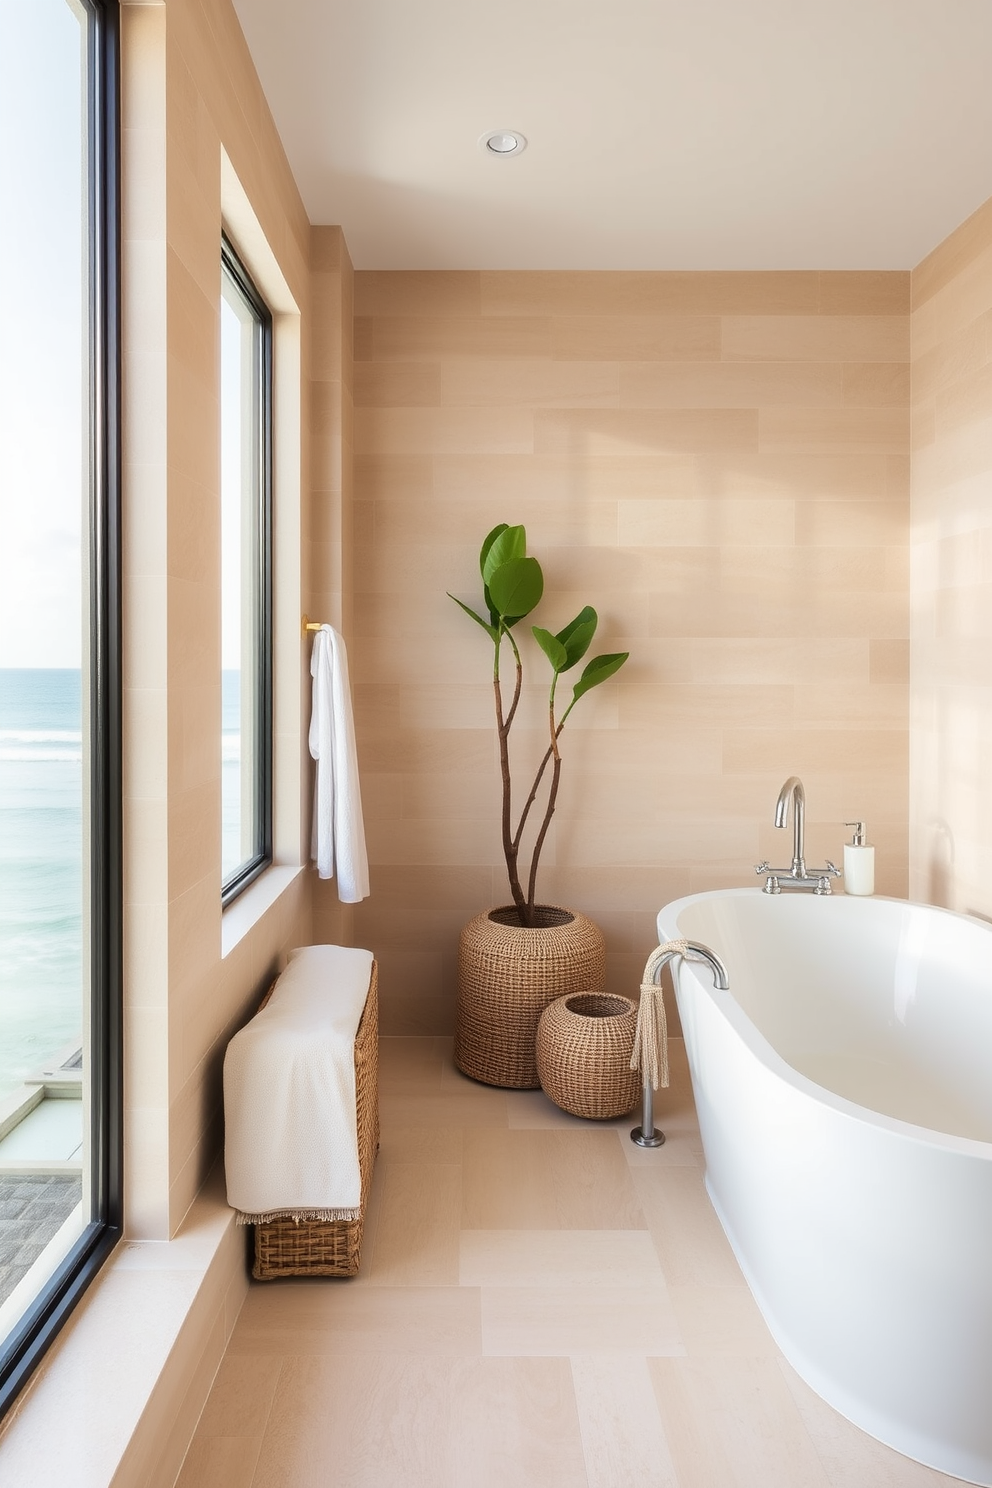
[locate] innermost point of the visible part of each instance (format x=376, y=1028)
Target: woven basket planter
x=584, y=1043
x=506, y=978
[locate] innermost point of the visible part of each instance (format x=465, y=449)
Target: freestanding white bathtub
x=844, y=1091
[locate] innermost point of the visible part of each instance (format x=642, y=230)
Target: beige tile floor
x=542, y=1305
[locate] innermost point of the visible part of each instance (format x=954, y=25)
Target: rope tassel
x=650, y=1053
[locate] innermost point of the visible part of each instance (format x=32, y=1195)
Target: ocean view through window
x=41, y=940
x=41, y=961
x=59, y=672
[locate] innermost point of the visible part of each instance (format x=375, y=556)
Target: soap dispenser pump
x=859, y=862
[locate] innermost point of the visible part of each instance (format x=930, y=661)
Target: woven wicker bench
x=306, y=1247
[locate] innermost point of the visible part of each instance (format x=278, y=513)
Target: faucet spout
x=809, y=880
x=792, y=790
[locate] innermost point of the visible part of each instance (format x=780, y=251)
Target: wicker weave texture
x=506, y=978
x=584, y=1045
x=284, y=1247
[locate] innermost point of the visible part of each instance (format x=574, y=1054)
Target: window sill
x=239, y=918
x=118, y=1396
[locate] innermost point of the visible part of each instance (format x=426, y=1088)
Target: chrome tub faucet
x=646, y=1134
x=798, y=877
x=793, y=791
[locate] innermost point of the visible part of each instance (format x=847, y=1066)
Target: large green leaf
x=597, y=671
x=552, y=648
x=487, y=544
x=490, y=630
x=503, y=545
x=487, y=547
x=515, y=588
x=577, y=636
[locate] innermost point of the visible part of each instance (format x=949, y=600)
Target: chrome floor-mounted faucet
x=646, y=1135
x=798, y=877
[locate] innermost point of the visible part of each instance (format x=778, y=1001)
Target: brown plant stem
x=519, y=680
x=549, y=811
x=533, y=790
x=551, y=753
x=510, y=845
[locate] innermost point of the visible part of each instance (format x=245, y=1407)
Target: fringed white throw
x=291, y=1141
x=650, y=1053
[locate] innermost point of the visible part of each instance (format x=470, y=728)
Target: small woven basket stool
x=507, y=976
x=584, y=1044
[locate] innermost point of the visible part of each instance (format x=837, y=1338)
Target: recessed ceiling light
x=503, y=142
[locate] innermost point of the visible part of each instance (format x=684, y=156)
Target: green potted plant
x=516, y=959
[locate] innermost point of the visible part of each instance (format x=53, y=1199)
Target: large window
x=246, y=628
x=60, y=1155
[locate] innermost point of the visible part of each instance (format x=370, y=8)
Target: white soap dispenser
x=859, y=862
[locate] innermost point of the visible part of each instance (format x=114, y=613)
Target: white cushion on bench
x=291, y=1143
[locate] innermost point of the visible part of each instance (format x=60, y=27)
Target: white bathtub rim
x=918, y=1449
x=764, y=1052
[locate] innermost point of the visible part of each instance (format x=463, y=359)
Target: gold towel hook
x=309, y=625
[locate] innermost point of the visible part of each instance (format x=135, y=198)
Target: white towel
x=338, y=844
x=291, y=1139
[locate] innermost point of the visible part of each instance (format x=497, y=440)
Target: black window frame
x=261, y=857
x=25, y=1345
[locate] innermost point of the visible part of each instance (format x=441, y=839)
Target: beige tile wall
x=951, y=545
x=189, y=89
x=331, y=510
x=717, y=462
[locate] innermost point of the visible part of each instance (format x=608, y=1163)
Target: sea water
x=41, y=882
x=41, y=879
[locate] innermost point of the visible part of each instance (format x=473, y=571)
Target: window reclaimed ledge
x=243, y=913
x=116, y=1400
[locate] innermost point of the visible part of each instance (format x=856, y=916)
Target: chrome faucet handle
x=764, y=867
x=832, y=868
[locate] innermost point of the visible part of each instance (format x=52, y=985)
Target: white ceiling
x=663, y=134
